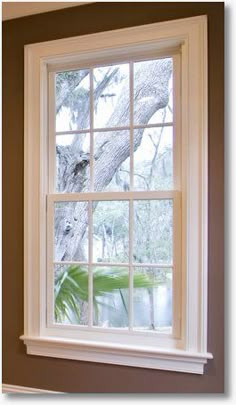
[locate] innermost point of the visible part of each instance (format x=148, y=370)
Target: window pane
x=110, y=297
x=71, y=294
x=72, y=100
x=152, y=307
x=152, y=233
x=72, y=163
x=71, y=231
x=153, y=91
x=153, y=159
x=110, y=231
x=111, y=96
x=111, y=161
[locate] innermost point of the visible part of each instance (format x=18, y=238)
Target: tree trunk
x=110, y=152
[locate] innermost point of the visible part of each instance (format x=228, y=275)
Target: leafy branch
x=71, y=288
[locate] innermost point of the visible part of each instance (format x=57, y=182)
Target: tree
x=110, y=151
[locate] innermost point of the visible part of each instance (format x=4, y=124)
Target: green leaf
x=71, y=288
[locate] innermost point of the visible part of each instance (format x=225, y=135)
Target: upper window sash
x=131, y=126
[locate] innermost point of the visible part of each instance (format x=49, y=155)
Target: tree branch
x=114, y=147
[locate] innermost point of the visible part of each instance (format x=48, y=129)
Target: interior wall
x=75, y=376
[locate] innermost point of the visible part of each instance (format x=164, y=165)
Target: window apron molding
x=186, y=352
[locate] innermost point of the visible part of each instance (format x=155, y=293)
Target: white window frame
x=186, y=352
x=171, y=339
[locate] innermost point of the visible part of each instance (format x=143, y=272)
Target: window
x=116, y=201
x=113, y=199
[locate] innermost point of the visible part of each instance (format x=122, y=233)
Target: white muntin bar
x=154, y=265
x=130, y=265
x=131, y=94
x=113, y=129
x=101, y=264
x=90, y=267
x=91, y=131
x=70, y=263
x=90, y=213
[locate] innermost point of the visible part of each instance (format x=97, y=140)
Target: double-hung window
x=115, y=172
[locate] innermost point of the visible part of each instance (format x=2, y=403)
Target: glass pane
x=111, y=231
x=110, y=297
x=111, y=161
x=72, y=163
x=71, y=294
x=111, y=96
x=152, y=306
x=153, y=159
x=153, y=98
x=152, y=233
x=72, y=100
x=71, y=231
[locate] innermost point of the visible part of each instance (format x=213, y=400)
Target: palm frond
x=71, y=288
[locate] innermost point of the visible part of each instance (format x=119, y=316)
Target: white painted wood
x=159, y=265
x=120, y=354
x=116, y=195
x=31, y=193
x=121, y=56
x=204, y=193
x=193, y=197
x=49, y=270
x=91, y=130
x=177, y=211
x=43, y=188
x=131, y=267
x=109, y=129
x=131, y=131
x=188, y=36
x=184, y=167
x=177, y=268
x=194, y=158
x=90, y=266
x=51, y=132
x=131, y=205
x=19, y=389
x=162, y=337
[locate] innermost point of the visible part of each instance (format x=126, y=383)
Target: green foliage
x=110, y=221
x=71, y=288
x=153, y=231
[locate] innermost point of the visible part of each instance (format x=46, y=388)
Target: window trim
x=191, y=35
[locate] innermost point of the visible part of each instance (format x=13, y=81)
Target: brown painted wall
x=75, y=376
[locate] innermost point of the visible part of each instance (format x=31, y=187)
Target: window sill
x=133, y=356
